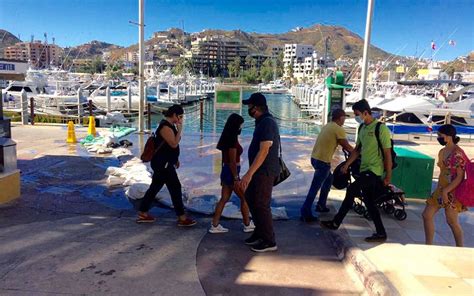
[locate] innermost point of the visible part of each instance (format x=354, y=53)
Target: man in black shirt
x=257, y=183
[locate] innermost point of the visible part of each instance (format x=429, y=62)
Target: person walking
x=452, y=163
x=375, y=168
x=164, y=164
x=331, y=135
x=231, y=150
x=264, y=167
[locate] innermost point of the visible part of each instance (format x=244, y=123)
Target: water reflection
x=281, y=106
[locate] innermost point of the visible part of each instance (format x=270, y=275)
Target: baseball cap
x=256, y=99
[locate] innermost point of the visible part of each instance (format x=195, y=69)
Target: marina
x=161, y=148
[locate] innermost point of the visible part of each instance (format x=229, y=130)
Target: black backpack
x=377, y=136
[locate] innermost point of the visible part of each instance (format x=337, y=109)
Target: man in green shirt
x=375, y=168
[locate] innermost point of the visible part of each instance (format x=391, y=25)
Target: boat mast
x=141, y=43
x=365, y=62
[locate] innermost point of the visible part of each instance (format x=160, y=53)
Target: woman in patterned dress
x=452, y=161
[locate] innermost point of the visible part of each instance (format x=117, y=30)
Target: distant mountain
x=7, y=39
x=90, y=50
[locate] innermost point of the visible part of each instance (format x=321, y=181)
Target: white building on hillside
x=303, y=60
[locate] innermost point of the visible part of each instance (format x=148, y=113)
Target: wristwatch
x=236, y=178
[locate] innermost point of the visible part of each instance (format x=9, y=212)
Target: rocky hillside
x=341, y=42
x=7, y=39
x=91, y=49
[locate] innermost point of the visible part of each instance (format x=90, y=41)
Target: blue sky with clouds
x=402, y=27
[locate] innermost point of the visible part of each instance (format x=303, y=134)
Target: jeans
x=370, y=186
x=259, y=197
x=162, y=176
x=322, y=179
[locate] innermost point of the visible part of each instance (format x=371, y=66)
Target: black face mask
x=239, y=131
x=251, y=112
x=441, y=141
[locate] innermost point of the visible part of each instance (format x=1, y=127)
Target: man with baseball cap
x=257, y=183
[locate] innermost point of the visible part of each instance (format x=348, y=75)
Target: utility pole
x=141, y=82
x=365, y=61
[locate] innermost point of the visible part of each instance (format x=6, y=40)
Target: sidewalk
x=69, y=234
x=65, y=192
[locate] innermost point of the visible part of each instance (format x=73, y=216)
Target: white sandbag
x=115, y=171
x=137, y=190
x=131, y=179
x=114, y=181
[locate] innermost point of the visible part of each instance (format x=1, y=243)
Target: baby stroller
x=391, y=199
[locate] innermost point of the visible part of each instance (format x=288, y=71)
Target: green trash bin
x=414, y=173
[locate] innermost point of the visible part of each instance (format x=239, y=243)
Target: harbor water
x=288, y=115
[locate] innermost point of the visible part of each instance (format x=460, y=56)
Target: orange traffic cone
x=71, y=133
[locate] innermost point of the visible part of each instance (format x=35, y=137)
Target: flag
x=452, y=42
x=433, y=45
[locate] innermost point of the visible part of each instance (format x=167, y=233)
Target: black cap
x=256, y=99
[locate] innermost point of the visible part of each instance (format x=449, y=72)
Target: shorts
x=226, y=175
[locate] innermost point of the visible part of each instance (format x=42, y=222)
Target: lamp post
x=365, y=61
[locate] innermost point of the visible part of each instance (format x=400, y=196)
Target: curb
x=373, y=280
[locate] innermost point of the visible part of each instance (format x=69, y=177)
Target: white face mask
x=359, y=119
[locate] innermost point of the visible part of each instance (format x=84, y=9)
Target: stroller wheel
x=388, y=208
x=367, y=215
x=359, y=209
x=400, y=214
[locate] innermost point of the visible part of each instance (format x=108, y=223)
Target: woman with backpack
x=452, y=163
x=231, y=150
x=164, y=164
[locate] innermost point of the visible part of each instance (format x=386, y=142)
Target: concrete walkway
x=70, y=234
x=65, y=205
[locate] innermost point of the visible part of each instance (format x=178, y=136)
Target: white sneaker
x=248, y=228
x=218, y=229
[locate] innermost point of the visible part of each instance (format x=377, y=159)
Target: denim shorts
x=226, y=175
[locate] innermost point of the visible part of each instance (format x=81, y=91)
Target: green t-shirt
x=326, y=143
x=372, y=157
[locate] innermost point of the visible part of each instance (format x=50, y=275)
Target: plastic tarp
x=136, y=176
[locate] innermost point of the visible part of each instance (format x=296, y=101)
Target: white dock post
x=184, y=99
x=129, y=98
x=79, y=104
x=107, y=94
x=24, y=107
x=169, y=93
x=158, y=94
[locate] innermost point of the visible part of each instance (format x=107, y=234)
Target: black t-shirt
x=166, y=154
x=266, y=129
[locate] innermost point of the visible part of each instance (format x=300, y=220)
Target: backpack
x=377, y=136
x=150, y=149
x=464, y=191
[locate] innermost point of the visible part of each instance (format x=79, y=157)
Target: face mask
x=251, y=111
x=359, y=119
x=239, y=131
x=441, y=141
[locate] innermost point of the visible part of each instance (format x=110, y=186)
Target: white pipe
x=141, y=48
x=365, y=58
x=107, y=95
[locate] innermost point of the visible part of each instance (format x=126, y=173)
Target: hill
x=90, y=50
x=7, y=39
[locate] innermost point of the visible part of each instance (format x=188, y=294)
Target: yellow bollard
x=91, y=129
x=71, y=133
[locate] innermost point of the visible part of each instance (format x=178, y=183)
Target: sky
x=399, y=26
